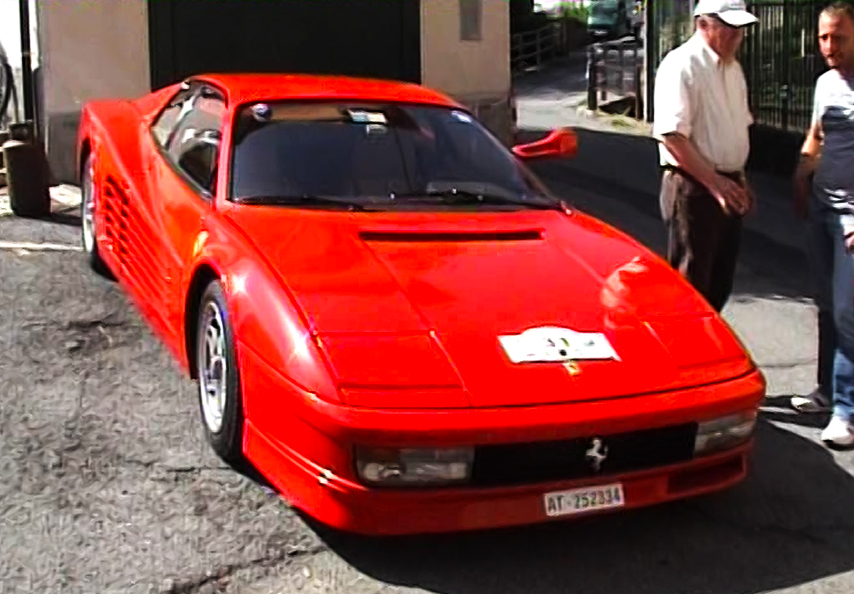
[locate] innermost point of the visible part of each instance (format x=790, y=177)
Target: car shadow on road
x=790, y=523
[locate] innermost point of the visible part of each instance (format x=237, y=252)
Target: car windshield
x=374, y=156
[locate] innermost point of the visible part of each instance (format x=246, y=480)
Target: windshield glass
x=374, y=156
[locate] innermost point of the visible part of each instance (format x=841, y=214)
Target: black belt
x=737, y=176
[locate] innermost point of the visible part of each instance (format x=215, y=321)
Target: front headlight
x=414, y=467
x=724, y=432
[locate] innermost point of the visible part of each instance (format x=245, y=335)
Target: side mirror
x=559, y=143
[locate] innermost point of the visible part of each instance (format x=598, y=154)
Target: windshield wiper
x=457, y=196
x=304, y=200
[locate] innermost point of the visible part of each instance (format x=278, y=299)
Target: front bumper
x=304, y=446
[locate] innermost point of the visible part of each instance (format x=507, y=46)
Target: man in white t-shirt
x=702, y=122
x=827, y=156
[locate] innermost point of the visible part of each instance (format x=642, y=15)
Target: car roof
x=247, y=88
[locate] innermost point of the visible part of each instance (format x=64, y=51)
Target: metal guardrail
x=781, y=62
x=614, y=73
x=533, y=48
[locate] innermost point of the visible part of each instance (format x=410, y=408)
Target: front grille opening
x=531, y=463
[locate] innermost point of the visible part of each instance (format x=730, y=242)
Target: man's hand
x=732, y=197
x=849, y=240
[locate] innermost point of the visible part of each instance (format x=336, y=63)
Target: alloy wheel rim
x=89, y=212
x=213, y=368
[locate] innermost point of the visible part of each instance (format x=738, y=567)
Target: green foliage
x=574, y=11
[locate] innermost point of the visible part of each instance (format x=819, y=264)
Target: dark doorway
x=380, y=39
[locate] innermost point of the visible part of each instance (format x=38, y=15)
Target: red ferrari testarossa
x=393, y=320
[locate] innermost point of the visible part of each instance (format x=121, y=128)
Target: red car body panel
x=381, y=329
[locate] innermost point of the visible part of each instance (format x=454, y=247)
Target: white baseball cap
x=732, y=12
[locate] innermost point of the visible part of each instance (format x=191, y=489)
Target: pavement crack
x=147, y=464
x=81, y=337
x=111, y=320
x=105, y=322
x=196, y=469
x=174, y=469
x=195, y=585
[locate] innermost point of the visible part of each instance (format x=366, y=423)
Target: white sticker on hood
x=552, y=343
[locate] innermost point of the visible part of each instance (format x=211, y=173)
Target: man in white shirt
x=702, y=121
x=827, y=202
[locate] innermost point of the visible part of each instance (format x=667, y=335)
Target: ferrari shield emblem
x=572, y=367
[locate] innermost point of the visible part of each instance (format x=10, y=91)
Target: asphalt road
x=556, y=91
x=106, y=485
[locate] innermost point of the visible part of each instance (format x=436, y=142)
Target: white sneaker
x=839, y=432
x=813, y=403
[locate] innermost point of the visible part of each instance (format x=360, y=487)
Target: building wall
x=470, y=63
x=89, y=50
x=100, y=49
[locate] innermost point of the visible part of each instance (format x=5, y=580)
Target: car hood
x=409, y=309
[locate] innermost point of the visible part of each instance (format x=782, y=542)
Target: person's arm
x=811, y=149
x=689, y=159
x=810, y=152
x=808, y=160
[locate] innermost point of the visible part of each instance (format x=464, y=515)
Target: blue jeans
x=833, y=270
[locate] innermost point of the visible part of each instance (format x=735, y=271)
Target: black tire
x=93, y=255
x=226, y=439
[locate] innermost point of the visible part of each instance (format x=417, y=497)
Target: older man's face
x=722, y=38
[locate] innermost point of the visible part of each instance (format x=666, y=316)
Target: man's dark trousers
x=702, y=240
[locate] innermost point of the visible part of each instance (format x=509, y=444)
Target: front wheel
x=219, y=378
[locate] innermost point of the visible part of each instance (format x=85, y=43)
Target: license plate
x=587, y=499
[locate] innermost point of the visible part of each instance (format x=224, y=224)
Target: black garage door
x=376, y=38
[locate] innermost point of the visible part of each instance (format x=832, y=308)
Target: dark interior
x=347, y=37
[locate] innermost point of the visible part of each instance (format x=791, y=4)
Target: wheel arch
x=204, y=274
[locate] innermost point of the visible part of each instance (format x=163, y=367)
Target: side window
x=168, y=118
x=194, y=147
